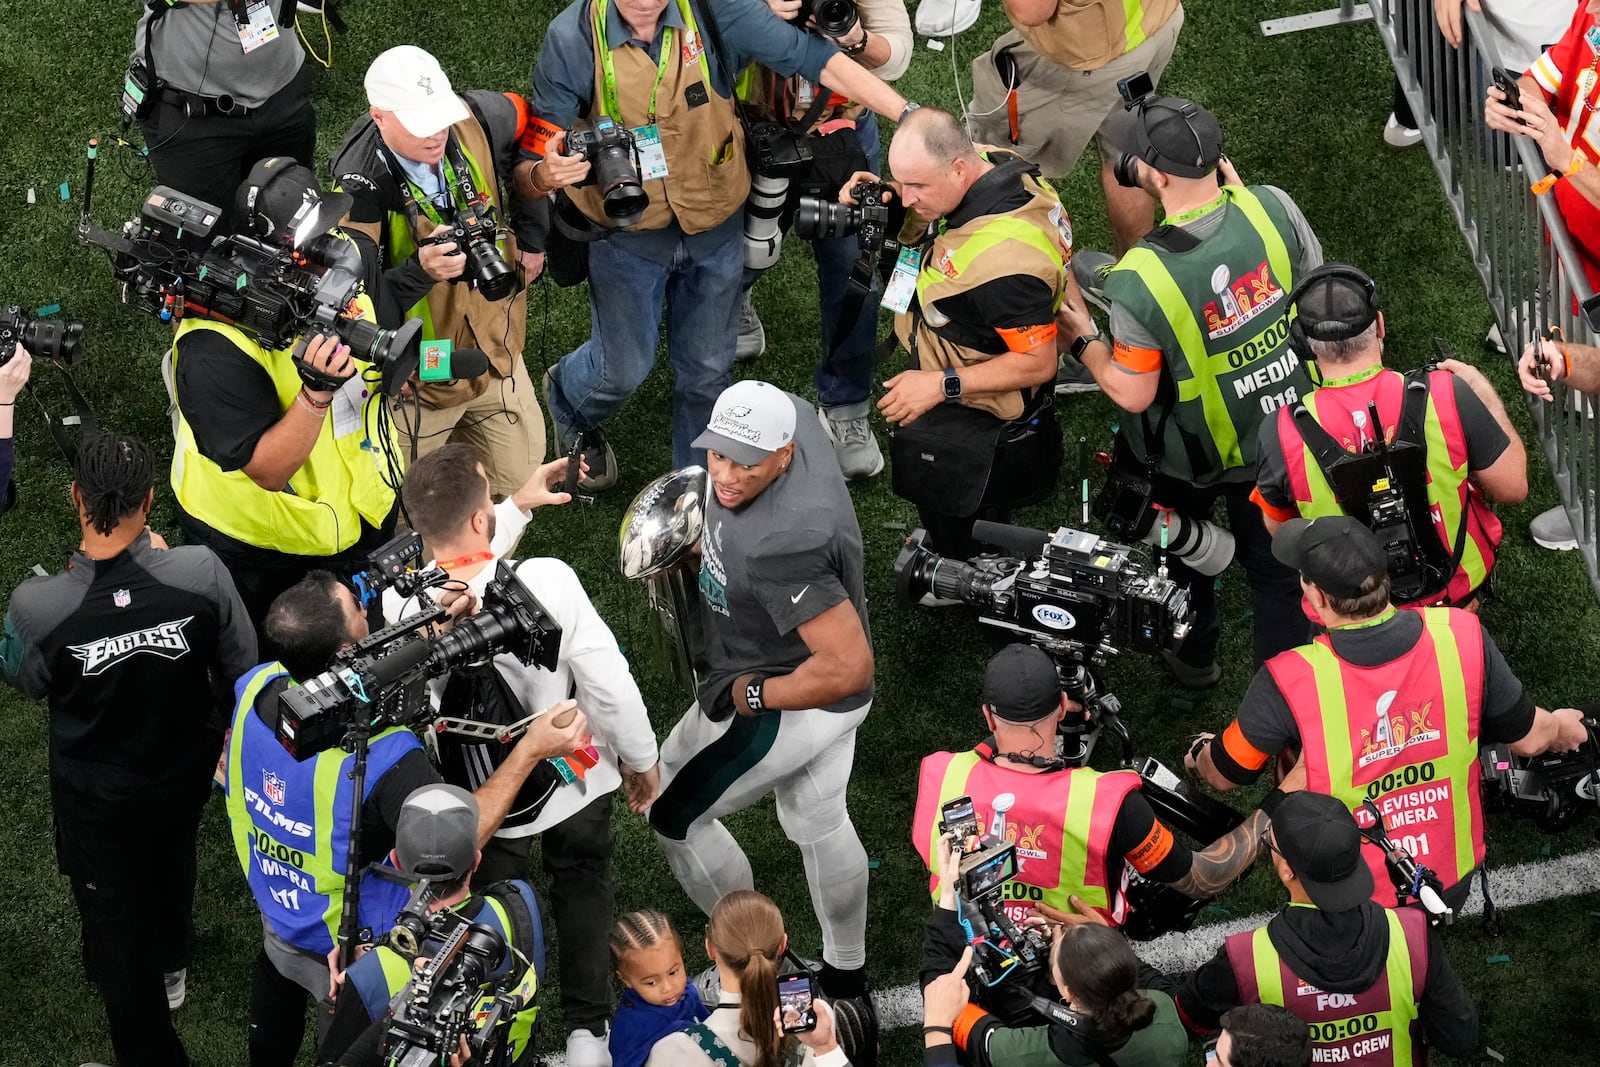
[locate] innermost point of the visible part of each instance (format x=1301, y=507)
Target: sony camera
x=57, y=341
x=1552, y=790
x=835, y=18
x=474, y=236
x=172, y=266
x=381, y=681
x=868, y=220
x=614, y=169
x=1125, y=507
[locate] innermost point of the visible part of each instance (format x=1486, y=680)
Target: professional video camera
x=835, y=18
x=382, y=681
x=1552, y=790
x=1002, y=948
x=454, y=993
x=614, y=169
x=173, y=266
x=1126, y=508
x=56, y=341
x=868, y=220
x=474, y=234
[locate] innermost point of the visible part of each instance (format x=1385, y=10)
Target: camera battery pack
x=138, y=92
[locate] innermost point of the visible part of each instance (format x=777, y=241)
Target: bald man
x=974, y=302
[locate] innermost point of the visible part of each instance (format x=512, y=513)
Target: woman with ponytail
x=746, y=943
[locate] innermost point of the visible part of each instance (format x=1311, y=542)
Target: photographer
x=436, y=838
x=1200, y=317
x=1470, y=449
x=280, y=468
x=976, y=432
x=843, y=138
x=447, y=496
x=13, y=379
x=219, y=85
x=1079, y=812
x=1116, y=1011
x=1389, y=705
x=290, y=818
x=406, y=165
x=665, y=70
x=134, y=645
x=1335, y=958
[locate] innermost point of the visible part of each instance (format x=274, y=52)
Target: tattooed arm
x=1220, y=864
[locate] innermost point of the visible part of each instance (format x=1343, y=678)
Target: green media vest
x=1221, y=313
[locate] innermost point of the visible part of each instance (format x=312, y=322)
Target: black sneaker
x=855, y=1025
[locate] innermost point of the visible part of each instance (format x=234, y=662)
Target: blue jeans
x=699, y=285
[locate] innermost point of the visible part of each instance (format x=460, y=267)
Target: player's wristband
x=754, y=691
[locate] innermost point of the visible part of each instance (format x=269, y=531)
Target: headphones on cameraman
x=1297, y=334
x=1187, y=110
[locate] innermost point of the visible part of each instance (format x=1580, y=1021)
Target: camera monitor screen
x=991, y=871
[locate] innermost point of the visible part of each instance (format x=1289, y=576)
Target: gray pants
x=803, y=757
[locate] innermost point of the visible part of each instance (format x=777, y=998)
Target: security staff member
x=974, y=306
x=436, y=839
x=1471, y=449
x=664, y=69
x=134, y=645
x=217, y=85
x=406, y=164
x=290, y=818
x=275, y=474
x=1374, y=984
x=843, y=137
x=1067, y=815
x=1388, y=705
x=1200, y=318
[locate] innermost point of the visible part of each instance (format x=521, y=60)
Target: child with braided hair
x=658, y=999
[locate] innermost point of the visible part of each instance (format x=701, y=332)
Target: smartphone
x=960, y=818
x=1211, y=1052
x=1136, y=87
x=795, y=1005
x=1508, y=85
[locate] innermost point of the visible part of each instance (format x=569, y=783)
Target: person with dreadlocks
x=135, y=646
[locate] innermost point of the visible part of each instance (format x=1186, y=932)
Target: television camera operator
x=286, y=460
x=1201, y=356
x=1388, y=706
x=841, y=137
x=659, y=76
x=974, y=301
x=465, y=533
x=436, y=839
x=409, y=166
x=290, y=818
x=1441, y=440
x=135, y=646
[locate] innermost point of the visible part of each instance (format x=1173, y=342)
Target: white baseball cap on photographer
x=409, y=81
x=750, y=421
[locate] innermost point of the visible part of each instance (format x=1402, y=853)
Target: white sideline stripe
x=1513, y=887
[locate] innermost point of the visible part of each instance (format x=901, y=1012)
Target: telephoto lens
x=815, y=218
x=763, y=237
x=1203, y=545
x=58, y=341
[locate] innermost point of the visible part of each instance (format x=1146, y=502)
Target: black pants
x=951, y=535
x=1279, y=622
x=208, y=155
x=133, y=881
x=577, y=856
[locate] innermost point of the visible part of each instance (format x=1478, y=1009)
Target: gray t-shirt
x=781, y=560
x=196, y=49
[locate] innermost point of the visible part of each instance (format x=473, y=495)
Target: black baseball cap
x=282, y=203
x=1335, y=553
x=1318, y=838
x=1020, y=684
x=1178, y=136
x=1335, y=302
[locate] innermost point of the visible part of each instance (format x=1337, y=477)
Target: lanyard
x=425, y=203
x=1195, y=213
x=613, y=107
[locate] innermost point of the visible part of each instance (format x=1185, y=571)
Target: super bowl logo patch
x=946, y=265
x=122, y=598
x=692, y=47
x=272, y=787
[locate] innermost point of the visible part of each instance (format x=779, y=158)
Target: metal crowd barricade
x=1518, y=242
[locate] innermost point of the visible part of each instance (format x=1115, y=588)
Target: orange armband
x=1027, y=338
x=537, y=134
x=970, y=1016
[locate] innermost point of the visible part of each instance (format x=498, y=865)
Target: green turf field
x=1303, y=112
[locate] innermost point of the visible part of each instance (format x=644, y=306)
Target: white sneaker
x=585, y=1048
x=752, y=335
x=946, y=18
x=1494, y=339
x=177, y=988
x=1398, y=136
x=853, y=444
x=1553, y=530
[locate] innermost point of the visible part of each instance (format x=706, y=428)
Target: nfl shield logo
x=121, y=598
x=272, y=786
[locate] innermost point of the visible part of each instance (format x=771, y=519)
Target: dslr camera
x=614, y=169
x=867, y=220
x=44, y=339
x=776, y=153
x=473, y=234
x=1126, y=508
x=835, y=18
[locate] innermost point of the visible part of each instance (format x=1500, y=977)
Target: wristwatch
x=952, y=386
x=1081, y=345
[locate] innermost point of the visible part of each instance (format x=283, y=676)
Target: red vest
x=1061, y=823
x=1374, y=1028
x=1403, y=734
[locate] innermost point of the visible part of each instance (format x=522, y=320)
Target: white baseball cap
x=751, y=420
x=410, y=82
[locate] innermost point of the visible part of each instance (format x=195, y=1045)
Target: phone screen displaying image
x=959, y=817
x=794, y=1004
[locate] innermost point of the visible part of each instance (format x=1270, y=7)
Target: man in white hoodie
x=447, y=499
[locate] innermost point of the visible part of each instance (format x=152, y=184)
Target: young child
x=658, y=999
